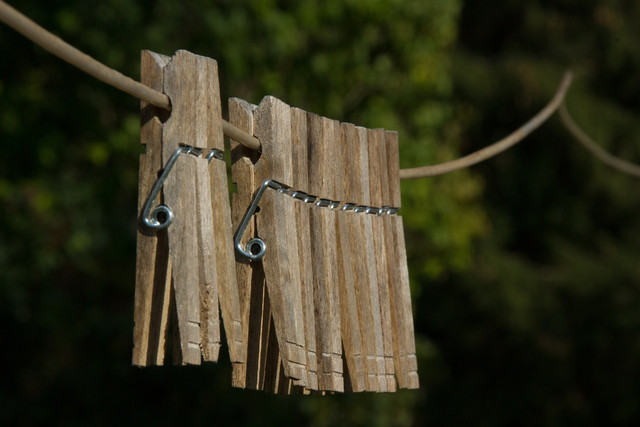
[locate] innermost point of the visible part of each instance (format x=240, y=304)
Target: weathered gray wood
x=267, y=344
x=378, y=176
x=276, y=226
x=348, y=246
x=191, y=82
x=209, y=311
x=273, y=370
x=152, y=294
x=360, y=243
x=366, y=262
x=406, y=366
x=250, y=276
x=303, y=212
x=225, y=265
x=323, y=238
x=334, y=278
x=179, y=191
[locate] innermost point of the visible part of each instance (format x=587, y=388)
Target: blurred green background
x=525, y=270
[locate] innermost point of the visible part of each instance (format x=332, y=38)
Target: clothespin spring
x=162, y=216
x=256, y=247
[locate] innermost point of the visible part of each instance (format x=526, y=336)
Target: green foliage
x=524, y=269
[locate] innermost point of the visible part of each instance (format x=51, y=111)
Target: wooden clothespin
x=313, y=288
x=357, y=247
x=280, y=300
x=326, y=308
x=322, y=146
x=185, y=265
x=406, y=362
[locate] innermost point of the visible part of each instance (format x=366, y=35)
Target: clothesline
x=89, y=65
x=499, y=146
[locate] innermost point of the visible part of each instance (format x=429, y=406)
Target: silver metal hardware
x=215, y=154
x=162, y=216
x=371, y=210
x=323, y=203
x=256, y=247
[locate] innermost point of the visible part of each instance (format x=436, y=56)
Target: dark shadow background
x=525, y=270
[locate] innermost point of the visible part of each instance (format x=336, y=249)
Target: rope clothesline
x=89, y=65
x=588, y=143
x=499, y=146
x=84, y=62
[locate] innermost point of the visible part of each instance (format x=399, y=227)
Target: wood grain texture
x=276, y=226
x=398, y=319
x=250, y=276
x=348, y=246
x=323, y=238
x=406, y=367
x=385, y=251
x=152, y=295
x=225, y=265
x=329, y=280
x=151, y=305
x=209, y=311
x=369, y=306
x=191, y=82
x=262, y=324
x=179, y=191
x=359, y=244
x=303, y=213
x=273, y=370
x=379, y=192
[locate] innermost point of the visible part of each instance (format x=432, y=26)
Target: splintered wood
x=186, y=272
x=328, y=308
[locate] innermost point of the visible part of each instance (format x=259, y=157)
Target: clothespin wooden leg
x=209, y=293
x=323, y=228
x=303, y=213
x=191, y=81
x=255, y=307
x=152, y=292
x=225, y=262
x=200, y=247
x=406, y=361
x=275, y=224
x=379, y=191
x=348, y=244
x=368, y=258
x=363, y=254
x=179, y=190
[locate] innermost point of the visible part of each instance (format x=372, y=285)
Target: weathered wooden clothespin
x=322, y=273
x=358, y=244
x=272, y=294
x=185, y=260
x=313, y=287
x=399, y=290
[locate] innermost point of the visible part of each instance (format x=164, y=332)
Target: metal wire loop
x=256, y=247
x=323, y=203
x=215, y=154
x=162, y=216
